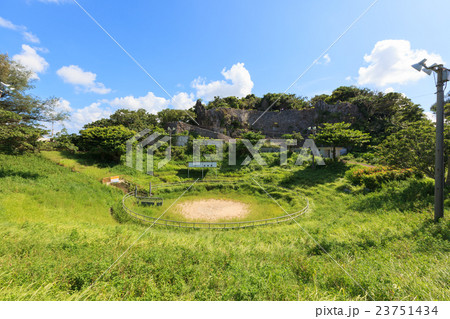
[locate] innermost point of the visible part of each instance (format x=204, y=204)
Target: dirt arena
x=213, y=209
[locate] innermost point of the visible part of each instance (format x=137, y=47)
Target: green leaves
x=133, y=120
x=375, y=177
x=19, y=138
x=278, y=101
x=22, y=113
x=108, y=142
x=411, y=147
x=340, y=134
x=169, y=115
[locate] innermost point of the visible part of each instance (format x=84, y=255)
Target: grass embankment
x=58, y=236
x=258, y=203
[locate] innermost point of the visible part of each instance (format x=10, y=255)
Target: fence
x=212, y=225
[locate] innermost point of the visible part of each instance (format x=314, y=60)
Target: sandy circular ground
x=212, y=209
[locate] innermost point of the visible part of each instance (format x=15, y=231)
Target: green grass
x=259, y=207
x=58, y=235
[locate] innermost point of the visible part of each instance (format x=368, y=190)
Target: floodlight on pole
x=443, y=75
x=419, y=66
x=427, y=71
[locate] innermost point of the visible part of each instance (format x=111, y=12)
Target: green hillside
x=59, y=235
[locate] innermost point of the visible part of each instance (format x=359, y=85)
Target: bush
x=178, y=153
x=375, y=177
x=108, y=142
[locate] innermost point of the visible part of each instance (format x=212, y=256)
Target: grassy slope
x=58, y=236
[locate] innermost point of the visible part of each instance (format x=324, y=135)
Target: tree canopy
x=21, y=113
x=107, y=142
x=277, y=101
x=170, y=115
x=411, y=147
x=381, y=114
x=340, y=134
x=133, y=120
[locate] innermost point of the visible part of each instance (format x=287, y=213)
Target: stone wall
x=273, y=124
x=181, y=127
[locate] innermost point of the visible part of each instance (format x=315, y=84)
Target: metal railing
x=213, y=225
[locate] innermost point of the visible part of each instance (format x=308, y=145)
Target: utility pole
x=443, y=75
x=439, y=169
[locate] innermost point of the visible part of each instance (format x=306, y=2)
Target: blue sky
x=199, y=49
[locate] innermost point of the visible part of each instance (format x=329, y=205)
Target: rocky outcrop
x=181, y=127
x=273, y=124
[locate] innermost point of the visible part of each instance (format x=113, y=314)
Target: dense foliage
x=276, y=102
x=340, y=134
x=381, y=114
x=108, y=142
x=133, y=120
x=170, y=115
x=252, y=137
x=375, y=177
x=20, y=112
x=411, y=147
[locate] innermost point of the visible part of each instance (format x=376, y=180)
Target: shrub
x=108, y=142
x=178, y=153
x=375, y=177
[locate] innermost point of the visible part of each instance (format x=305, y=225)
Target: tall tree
x=53, y=113
x=134, y=120
x=411, y=147
x=107, y=142
x=446, y=132
x=170, y=115
x=340, y=134
x=21, y=114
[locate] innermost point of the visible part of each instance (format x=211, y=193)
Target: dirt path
x=212, y=209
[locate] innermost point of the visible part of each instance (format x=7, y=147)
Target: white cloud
x=389, y=90
x=104, y=108
x=149, y=102
x=31, y=60
x=152, y=103
x=390, y=63
x=324, y=60
x=183, y=101
x=431, y=116
x=241, y=84
x=83, y=80
x=8, y=24
x=88, y=114
x=28, y=36
x=63, y=106
x=348, y=78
